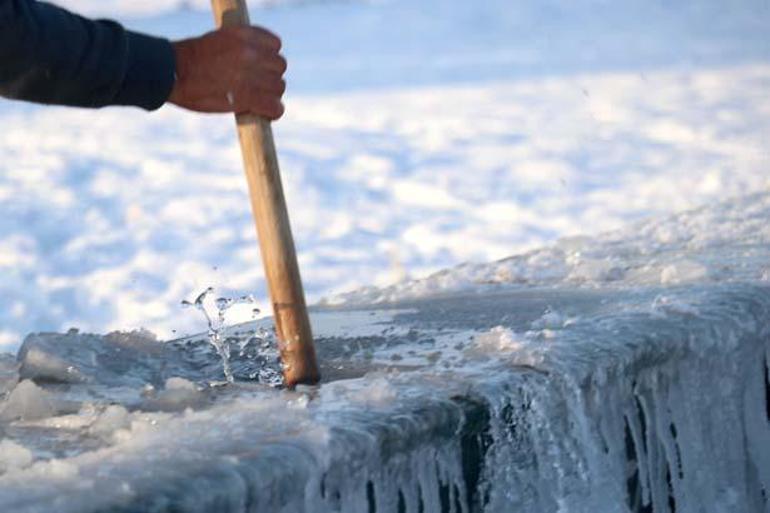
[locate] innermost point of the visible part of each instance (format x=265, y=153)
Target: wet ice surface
x=567, y=395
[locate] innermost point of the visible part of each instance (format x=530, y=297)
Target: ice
x=682, y=272
x=496, y=340
x=598, y=373
x=552, y=320
x=9, y=373
x=178, y=394
x=598, y=394
x=57, y=471
x=375, y=391
x=27, y=401
x=113, y=417
x=616, y=412
x=667, y=305
x=97, y=367
x=79, y=358
x=13, y=456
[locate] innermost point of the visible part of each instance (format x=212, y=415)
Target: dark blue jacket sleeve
x=49, y=55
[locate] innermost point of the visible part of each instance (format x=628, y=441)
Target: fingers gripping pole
x=274, y=231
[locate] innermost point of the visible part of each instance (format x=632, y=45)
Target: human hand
x=233, y=69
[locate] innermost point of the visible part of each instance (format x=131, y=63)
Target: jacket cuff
x=150, y=72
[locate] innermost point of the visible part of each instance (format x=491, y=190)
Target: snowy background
x=418, y=135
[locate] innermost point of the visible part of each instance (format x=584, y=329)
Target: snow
x=417, y=136
x=729, y=241
x=601, y=167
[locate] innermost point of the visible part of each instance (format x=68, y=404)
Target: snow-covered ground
x=418, y=135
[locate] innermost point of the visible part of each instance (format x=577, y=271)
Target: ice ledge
x=727, y=241
x=640, y=400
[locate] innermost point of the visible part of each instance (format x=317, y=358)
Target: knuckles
x=255, y=71
x=256, y=36
x=282, y=64
x=279, y=110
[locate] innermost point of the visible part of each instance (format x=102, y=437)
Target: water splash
x=259, y=345
x=261, y=349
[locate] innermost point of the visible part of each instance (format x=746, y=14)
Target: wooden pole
x=295, y=339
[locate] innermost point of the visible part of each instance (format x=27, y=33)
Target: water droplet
x=257, y=346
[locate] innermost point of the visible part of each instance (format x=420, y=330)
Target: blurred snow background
x=418, y=135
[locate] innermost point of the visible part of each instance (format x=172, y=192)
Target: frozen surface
x=589, y=396
x=587, y=373
x=729, y=241
x=418, y=135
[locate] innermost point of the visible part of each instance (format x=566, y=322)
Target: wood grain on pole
x=274, y=231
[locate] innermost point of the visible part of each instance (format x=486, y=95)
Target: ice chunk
x=595, y=270
x=551, y=319
x=27, y=402
x=683, y=272
x=377, y=392
x=78, y=358
x=180, y=384
x=57, y=470
x=38, y=362
x=374, y=390
x=664, y=304
x=127, y=360
x=496, y=340
x=13, y=456
x=113, y=417
x=178, y=394
x=9, y=373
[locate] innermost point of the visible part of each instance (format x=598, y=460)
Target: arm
x=49, y=55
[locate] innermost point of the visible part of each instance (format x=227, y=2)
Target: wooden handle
x=273, y=229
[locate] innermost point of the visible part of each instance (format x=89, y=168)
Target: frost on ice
x=625, y=373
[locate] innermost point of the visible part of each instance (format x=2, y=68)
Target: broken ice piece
x=13, y=456
x=178, y=395
x=9, y=373
x=27, y=402
x=113, y=417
